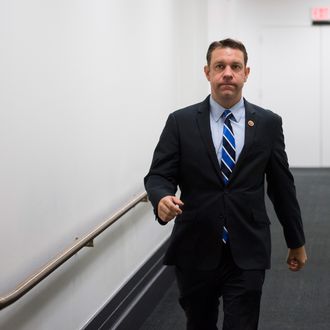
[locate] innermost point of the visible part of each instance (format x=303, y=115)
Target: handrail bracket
x=90, y=243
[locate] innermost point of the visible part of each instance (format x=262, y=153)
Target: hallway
x=297, y=301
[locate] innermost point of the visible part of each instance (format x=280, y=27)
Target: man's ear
x=207, y=72
x=247, y=72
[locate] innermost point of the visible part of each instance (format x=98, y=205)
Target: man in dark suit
x=220, y=244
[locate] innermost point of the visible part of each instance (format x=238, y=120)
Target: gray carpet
x=297, y=301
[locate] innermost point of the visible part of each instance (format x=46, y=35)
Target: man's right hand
x=169, y=208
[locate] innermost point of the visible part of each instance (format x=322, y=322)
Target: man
x=219, y=153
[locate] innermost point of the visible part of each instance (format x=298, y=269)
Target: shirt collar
x=217, y=110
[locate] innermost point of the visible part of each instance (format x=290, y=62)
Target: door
x=291, y=86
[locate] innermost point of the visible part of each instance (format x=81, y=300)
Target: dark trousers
x=240, y=291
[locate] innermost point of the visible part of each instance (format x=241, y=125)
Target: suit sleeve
x=162, y=179
x=281, y=191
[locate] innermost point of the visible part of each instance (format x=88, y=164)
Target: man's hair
x=230, y=43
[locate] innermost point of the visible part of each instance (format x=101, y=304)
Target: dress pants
x=240, y=290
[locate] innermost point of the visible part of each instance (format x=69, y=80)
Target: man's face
x=227, y=74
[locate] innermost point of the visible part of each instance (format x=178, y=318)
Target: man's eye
x=236, y=67
x=219, y=67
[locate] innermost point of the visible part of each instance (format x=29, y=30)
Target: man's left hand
x=297, y=258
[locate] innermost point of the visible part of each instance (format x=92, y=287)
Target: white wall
x=85, y=89
x=289, y=68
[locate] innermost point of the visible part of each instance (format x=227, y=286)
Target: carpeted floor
x=297, y=301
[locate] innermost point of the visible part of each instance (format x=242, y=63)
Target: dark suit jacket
x=185, y=156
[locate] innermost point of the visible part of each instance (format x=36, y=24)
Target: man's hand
x=169, y=208
x=296, y=258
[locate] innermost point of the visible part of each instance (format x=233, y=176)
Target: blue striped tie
x=228, y=151
x=228, y=156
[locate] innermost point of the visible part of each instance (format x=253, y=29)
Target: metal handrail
x=50, y=267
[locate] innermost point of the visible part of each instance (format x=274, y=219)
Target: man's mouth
x=227, y=86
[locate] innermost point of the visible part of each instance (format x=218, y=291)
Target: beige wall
x=86, y=87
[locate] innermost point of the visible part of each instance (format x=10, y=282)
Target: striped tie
x=228, y=156
x=228, y=151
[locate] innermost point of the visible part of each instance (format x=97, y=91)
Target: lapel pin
x=251, y=123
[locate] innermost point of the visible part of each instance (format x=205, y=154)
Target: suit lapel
x=203, y=122
x=251, y=123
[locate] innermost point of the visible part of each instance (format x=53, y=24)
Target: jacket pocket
x=186, y=216
x=260, y=216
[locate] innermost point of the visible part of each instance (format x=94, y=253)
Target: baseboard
x=136, y=300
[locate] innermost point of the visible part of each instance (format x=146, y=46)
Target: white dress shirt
x=237, y=123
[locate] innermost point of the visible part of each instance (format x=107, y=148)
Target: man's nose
x=227, y=73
